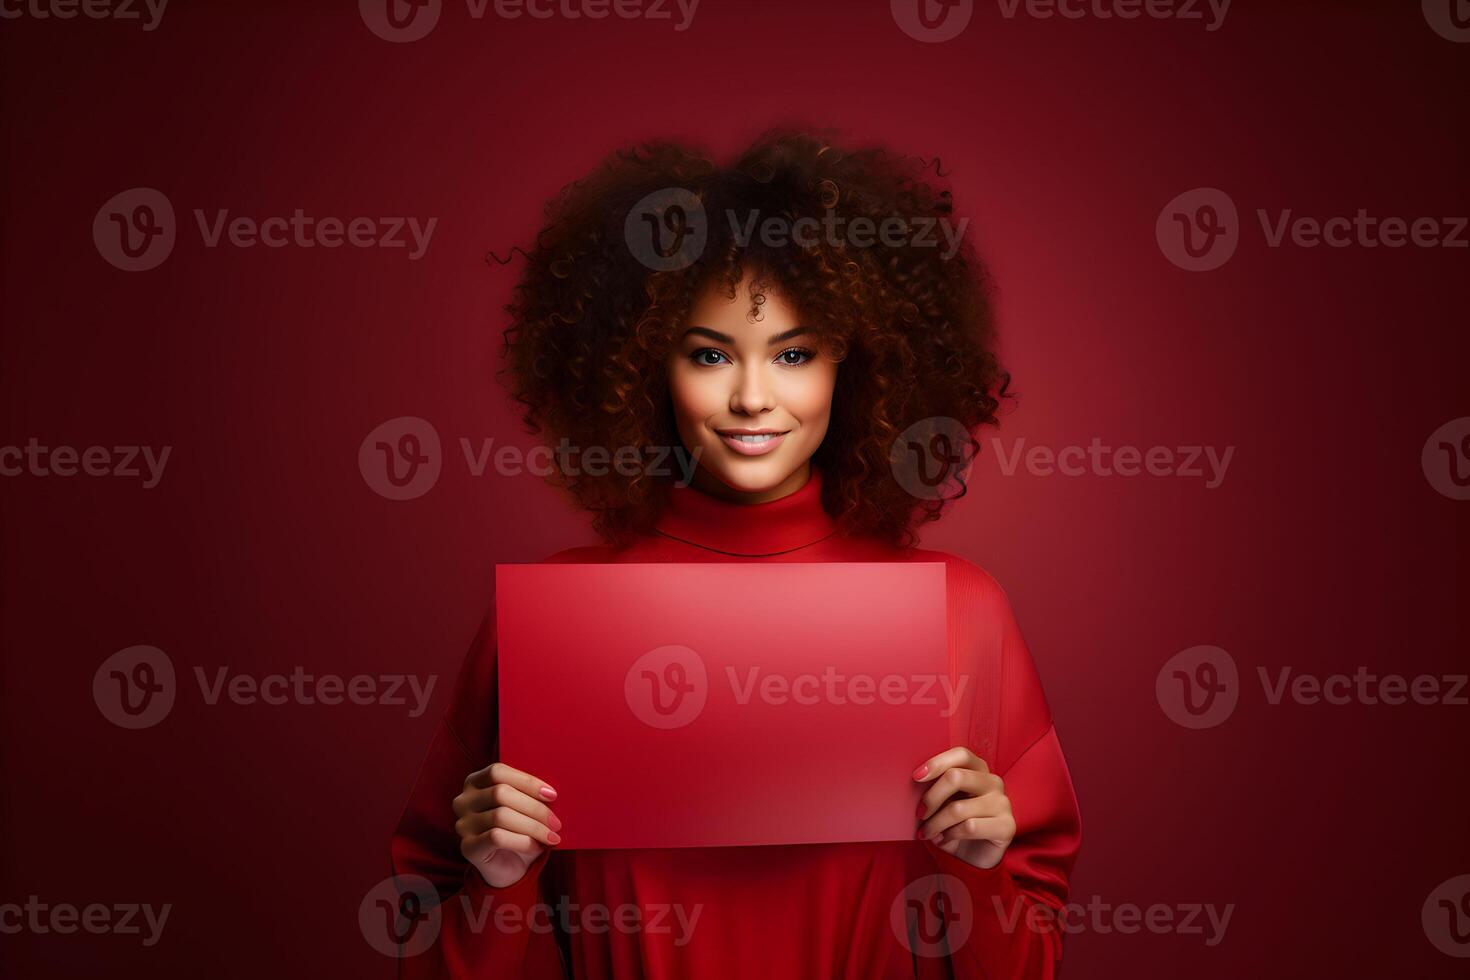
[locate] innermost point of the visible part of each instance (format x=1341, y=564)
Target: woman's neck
x=708, y=483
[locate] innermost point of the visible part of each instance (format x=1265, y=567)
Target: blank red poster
x=711, y=705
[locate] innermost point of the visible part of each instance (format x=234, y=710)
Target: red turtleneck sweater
x=805, y=912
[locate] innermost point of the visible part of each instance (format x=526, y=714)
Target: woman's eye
x=795, y=356
x=700, y=356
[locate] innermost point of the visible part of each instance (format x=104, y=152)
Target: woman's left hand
x=966, y=812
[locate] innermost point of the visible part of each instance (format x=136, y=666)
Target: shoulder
x=969, y=584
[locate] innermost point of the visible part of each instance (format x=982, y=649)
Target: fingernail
x=922, y=771
x=553, y=821
x=920, y=812
x=920, y=834
x=937, y=839
x=553, y=837
x=547, y=793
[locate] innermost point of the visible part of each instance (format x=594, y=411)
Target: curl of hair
x=591, y=326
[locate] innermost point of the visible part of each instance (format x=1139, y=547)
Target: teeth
x=763, y=437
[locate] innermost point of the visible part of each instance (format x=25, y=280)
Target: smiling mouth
x=752, y=442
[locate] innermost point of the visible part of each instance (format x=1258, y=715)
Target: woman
x=670, y=302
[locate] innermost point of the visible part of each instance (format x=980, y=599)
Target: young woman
x=794, y=360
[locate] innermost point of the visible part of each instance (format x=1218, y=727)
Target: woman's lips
x=757, y=445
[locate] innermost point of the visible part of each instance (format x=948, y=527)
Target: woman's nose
x=752, y=392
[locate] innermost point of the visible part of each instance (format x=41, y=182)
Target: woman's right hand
x=503, y=823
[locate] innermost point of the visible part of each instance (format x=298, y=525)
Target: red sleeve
x=427, y=860
x=1015, y=904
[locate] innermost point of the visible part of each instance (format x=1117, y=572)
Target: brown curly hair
x=591, y=324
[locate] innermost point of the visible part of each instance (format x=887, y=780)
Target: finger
x=499, y=772
x=508, y=819
x=999, y=830
x=504, y=794
x=989, y=805
x=478, y=850
x=967, y=781
x=959, y=756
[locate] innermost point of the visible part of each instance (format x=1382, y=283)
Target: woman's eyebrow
x=725, y=338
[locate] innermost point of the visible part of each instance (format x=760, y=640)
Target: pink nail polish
x=922, y=771
x=547, y=793
x=920, y=812
x=553, y=837
x=553, y=821
x=920, y=834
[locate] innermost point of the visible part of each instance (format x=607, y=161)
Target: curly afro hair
x=592, y=319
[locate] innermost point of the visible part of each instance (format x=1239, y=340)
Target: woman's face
x=753, y=399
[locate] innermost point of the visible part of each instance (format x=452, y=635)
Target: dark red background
x=263, y=548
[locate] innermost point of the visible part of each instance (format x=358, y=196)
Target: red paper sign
x=710, y=705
